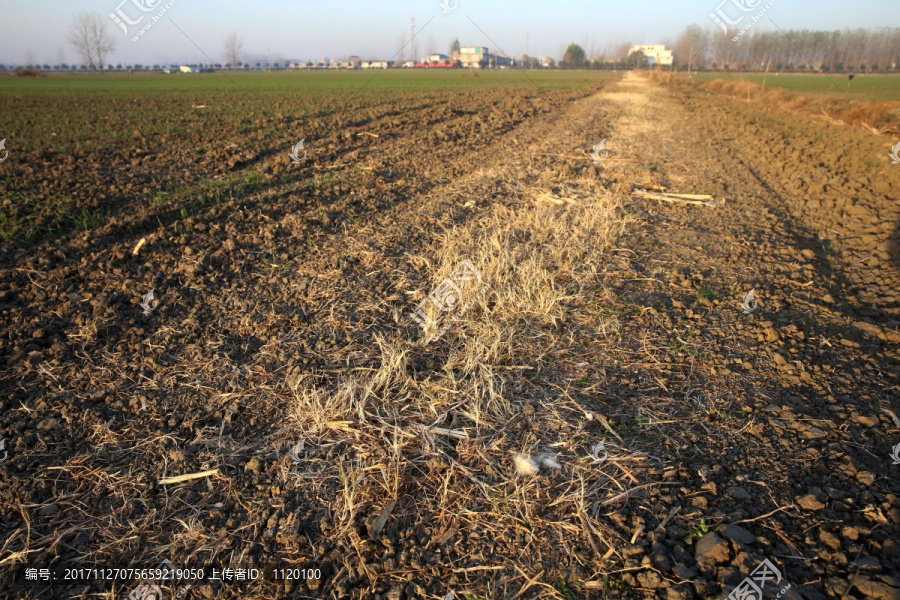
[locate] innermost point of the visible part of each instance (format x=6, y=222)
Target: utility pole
x=415, y=50
x=268, y=60
x=527, y=35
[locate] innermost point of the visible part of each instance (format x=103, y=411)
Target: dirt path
x=784, y=409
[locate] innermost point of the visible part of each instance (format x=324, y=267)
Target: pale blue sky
x=304, y=30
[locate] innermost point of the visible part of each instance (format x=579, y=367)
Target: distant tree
x=574, y=56
x=233, y=47
x=635, y=60
x=91, y=39
x=80, y=38
x=691, y=47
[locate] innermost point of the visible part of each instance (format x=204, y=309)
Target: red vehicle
x=447, y=64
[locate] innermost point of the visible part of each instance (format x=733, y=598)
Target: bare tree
x=103, y=43
x=804, y=50
x=233, y=46
x=80, y=38
x=91, y=39
x=691, y=46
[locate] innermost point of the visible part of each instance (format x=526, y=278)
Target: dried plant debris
x=600, y=399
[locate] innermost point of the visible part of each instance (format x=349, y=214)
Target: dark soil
x=763, y=436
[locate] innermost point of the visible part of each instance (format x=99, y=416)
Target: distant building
x=473, y=57
x=437, y=58
x=188, y=69
x=654, y=54
x=354, y=62
x=375, y=64
x=409, y=64
x=502, y=62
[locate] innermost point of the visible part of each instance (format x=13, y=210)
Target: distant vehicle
x=445, y=64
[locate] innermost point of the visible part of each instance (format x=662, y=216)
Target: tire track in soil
x=784, y=406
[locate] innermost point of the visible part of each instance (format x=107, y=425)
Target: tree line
x=696, y=49
x=699, y=49
x=850, y=50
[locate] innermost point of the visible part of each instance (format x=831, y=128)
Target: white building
x=654, y=54
x=188, y=69
x=374, y=64
x=473, y=57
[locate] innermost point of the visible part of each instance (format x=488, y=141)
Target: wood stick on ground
x=382, y=519
x=785, y=507
x=480, y=568
x=627, y=493
x=188, y=477
x=549, y=198
x=462, y=435
x=634, y=160
x=673, y=198
x=637, y=532
x=668, y=518
x=608, y=427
